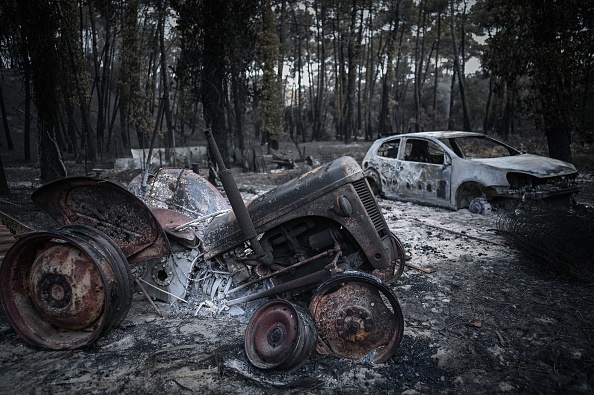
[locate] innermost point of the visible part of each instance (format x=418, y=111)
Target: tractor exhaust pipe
x=241, y=213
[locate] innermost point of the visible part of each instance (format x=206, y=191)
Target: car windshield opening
x=480, y=147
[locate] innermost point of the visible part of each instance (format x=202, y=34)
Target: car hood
x=536, y=165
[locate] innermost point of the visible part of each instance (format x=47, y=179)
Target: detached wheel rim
x=279, y=336
x=356, y=314
x=64, y=289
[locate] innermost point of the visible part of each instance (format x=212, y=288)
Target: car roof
x=437, y=134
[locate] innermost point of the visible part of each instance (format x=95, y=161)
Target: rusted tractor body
x=317, y=246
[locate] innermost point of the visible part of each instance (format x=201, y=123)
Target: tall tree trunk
x=24, y=52
x=559, y=140
x=97, y=80
x=458, y=69
x=419, y=55
x=436, y=76
x=5, y=120
x=318, y=122
x=385, y=124
x=300, y=127
x=352, y=55
x=369, y=77
x=170, y=138
x=4, y=190
x=132, y=110
x=239, y=104
x=40, y=30
x=451, y=107
x=91, y=151
x=486, y=119
x=214, y=66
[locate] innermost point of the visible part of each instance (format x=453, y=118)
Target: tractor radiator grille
x=370, y=206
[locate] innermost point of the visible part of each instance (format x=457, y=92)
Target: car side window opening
x=389, y=149
x=423, y=151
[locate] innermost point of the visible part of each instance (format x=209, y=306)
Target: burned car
x=318, y=247
x=456, y=169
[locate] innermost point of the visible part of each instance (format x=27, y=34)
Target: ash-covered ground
x=480, y=317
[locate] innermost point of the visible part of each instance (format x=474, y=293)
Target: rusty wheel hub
x=355, y=314
x=60, y=279
x=279, y=336
x=354, y=324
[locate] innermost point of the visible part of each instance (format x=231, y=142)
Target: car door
x=387, y=164
x=424, y=172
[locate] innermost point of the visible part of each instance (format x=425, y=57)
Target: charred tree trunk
x=213, y=74
x=352, y=56
x=5, y=120
x=419, y=55
x=436, y=76
x=385, y=123
x=40, y=28
x=4, y=190
x=458, y=70
x=170, y=138
x=24, y=52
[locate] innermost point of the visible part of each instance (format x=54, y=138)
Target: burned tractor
x=317, y=247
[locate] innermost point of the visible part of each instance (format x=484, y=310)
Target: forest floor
x=484, y=318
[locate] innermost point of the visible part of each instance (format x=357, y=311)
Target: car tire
x=467, y=192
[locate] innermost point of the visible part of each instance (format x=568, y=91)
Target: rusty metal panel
x=179, y=190
x=295, y=196
x=109, y=208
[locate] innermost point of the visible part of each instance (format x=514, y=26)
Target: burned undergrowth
x=480, y=317
x=559, y=239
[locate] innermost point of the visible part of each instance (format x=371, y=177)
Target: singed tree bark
x=169, y=139
x=298, y=96
x=318, y=105
x=419, y=55
x=369, y=78
x=91, y=148
x=4, y=190
x=458, y=69
x=436, y=76
x=132, y=112
x=102, y=63
x=385, y=124
x=5, y=120
x=213, y=73
x=40, y=28
x=239, y=99
x=28, y=97
x=354, y=41
x=487, y=118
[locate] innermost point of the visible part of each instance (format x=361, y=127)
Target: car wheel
x=467, y=192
